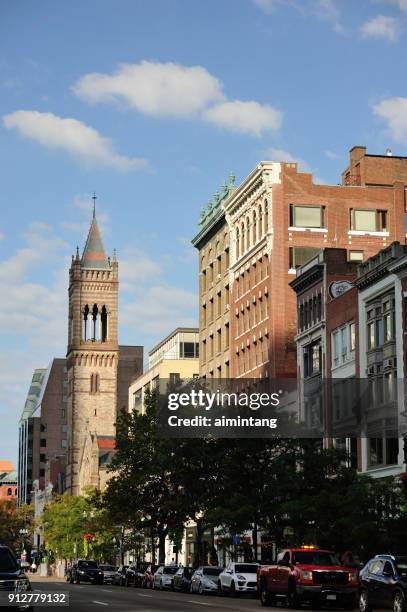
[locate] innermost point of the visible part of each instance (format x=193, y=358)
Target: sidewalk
x=37, y=578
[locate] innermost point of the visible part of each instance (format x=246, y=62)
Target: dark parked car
x=86, y=571
x=149, y=576
x=12, y=577
x=120, y=575
x=135, y=573
x=182, y=579
x=109, y=572
x=383, y=584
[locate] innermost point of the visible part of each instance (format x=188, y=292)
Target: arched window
x=104, y=324
x=242, y=239
x=237, y=243
x=9, y=492
x=266, y=217
x=260, y=232
x=94, y=384
x=254, y=227
x=85, y=323
x=95, y=323
x=247, y=233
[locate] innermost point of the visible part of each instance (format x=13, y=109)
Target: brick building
x=277, y=220
x=8, y=481
x=212, y=242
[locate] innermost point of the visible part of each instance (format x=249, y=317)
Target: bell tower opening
x=104, y=324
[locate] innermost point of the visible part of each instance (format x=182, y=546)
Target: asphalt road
x=91, y=598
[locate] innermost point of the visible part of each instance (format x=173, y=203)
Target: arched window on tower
x=254, y=227
x=104, y=324
x=86, y=331
x=94, y=384
x=237, y=243
x=242, y=239
x=95, y=323
x=247, y=233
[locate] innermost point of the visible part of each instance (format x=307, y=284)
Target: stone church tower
x=92, y=360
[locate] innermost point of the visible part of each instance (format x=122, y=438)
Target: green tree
x=144, y=493
x=16, y=525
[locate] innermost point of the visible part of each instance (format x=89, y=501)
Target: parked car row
x=300, y=575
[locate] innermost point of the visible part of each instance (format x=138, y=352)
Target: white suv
x=238, y=578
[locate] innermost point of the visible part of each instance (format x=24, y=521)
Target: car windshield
x=246, y=568
x=171, y=570
x=211, y=571
x=309, y=557
x=7, y=561
x=401, y=564
x=88, y=564
x=107, y=568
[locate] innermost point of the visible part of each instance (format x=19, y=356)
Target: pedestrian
x=173, y=562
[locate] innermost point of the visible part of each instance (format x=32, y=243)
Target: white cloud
x=328, y=10
x=280, y=155
x=267, y=6
x=172, y=90
x=70, y=135
x=153, y=88
x=394, y=112
x=245, y=117
x=159, y=309
x=381, y=26
x=137, y=267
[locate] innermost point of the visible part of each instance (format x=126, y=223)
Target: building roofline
x=247, y=182
x=220, y=215
x=171, y=335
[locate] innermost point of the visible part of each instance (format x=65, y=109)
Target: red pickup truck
x=308, y=574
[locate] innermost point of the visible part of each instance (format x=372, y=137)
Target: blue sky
x=152, y=104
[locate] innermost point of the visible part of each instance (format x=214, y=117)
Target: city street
x=86, y=597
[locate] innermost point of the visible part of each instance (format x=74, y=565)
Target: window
x=227, y=335
x=219, y=303
x=306, y=216
x=188, y=350
x=42, y=458
x=64, y=443
x=94, y=384
x=219, y=341
x=300, y=255
x=43, y=443
x=355, y=255
x=312, y=360
x=368, y=220
x=42, y=474
x=137, y=398
x=352, y=333
x=174, y=378
x=383, y=451
x=343, y=344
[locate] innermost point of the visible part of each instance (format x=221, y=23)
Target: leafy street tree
x=144, y=474
x=16, y=525
x=68, y=519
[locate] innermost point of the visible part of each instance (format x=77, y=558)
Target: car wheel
x=77, y=580
x=220, y=590
x=399, y=603
x=266, y=598
x=233, y=592
x=292, y=597
x=364, y=605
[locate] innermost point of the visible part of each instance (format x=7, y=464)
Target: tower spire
x=94, y=205
x=94, y=255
